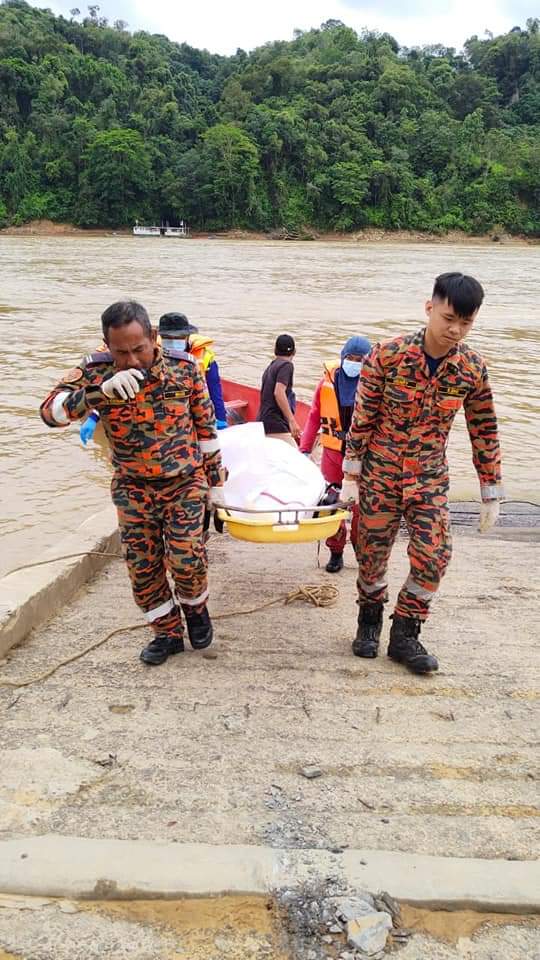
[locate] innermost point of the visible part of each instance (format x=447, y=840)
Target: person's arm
x=313, y=422
x=71, y=399
x=213, y=381
x=283, y=381
x=482, y=426
x=366, y=411
x=280, y=396
x=204, y=421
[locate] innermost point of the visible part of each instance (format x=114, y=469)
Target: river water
x=244, y=293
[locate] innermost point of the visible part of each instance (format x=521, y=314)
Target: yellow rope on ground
x=320, y=595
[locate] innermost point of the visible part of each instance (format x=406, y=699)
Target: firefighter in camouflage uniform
x=160, y=424
x=395, y=462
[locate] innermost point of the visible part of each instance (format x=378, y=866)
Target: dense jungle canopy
x=332, y=130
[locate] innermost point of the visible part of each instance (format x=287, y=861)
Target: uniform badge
x=72, y=376
x=453, y=392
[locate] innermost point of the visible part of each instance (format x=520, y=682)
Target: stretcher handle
x=327, y=508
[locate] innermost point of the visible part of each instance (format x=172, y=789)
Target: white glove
x=125, y=383
x=216, y=497
x=489, y=512
x=349, y=491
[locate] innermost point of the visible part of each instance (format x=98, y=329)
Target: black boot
x=160, y=648
x=199, y=625
x=366, y=642
x=335, y=563
x=405, y=647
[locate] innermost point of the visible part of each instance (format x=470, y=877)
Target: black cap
x=285, y=345
x=176, y=325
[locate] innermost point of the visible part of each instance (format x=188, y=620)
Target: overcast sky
x=223, y=25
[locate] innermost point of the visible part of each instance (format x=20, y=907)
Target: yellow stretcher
x=290, y=527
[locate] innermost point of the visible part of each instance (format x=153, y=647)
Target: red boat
x=242, y=403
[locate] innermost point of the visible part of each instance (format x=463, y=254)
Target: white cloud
x=223, y=25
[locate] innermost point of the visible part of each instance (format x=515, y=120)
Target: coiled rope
x=319, y=595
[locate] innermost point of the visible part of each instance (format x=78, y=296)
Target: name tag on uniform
x=403, y=382
x=175, y=394
x=453, y=392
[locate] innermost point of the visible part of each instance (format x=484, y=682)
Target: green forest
x=333, y=130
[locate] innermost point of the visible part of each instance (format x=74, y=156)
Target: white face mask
x=352, y=368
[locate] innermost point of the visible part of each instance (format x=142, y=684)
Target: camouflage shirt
x=402, y=413
x=167, y=430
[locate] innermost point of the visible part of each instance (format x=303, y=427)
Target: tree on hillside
x=116, y=178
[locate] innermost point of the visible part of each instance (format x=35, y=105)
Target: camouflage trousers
x=386, y=496
x=161, y=530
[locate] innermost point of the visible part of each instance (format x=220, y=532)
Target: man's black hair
x=285, y=346
x=464, y=294
x=122, y=313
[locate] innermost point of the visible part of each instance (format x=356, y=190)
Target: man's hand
x=125, y=384
x=489, y=513
x=295, y=429
x=349, y=491
x=216, y=497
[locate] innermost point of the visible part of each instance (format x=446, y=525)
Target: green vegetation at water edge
x=332, y=130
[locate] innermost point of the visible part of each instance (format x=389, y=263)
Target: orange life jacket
x=198, y=346
x=332, y=435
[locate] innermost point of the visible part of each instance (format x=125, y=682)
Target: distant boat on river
x=143, y=230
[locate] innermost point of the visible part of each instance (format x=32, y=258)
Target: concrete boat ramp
x=276, y=760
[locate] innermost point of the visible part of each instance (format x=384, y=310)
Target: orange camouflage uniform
x=165, y=454
x=396, y=446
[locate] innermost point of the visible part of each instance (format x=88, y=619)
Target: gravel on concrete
x=212, y=751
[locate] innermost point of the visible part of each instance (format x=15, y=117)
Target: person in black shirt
x=278, y=402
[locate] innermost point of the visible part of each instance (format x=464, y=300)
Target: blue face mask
x=171, y=344
x=352, y=368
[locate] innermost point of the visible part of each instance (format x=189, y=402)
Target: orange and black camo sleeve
x=482, y=426
x=204, y=420
x=73, y=397
x=366, y=411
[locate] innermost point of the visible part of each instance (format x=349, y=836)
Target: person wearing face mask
x=330, y=414
x=177, y=333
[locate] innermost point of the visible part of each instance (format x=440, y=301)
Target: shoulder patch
x=101, y=356
x=73, y=375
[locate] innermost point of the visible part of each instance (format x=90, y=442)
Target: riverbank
x=47, y=228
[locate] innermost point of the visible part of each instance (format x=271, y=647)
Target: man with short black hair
x=160, y=424
x=395, y=462
x=278, y=402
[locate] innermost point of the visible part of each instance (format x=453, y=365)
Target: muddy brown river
x=53, y=291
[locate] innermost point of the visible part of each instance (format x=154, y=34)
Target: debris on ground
x=328, y=920
x=311, y=772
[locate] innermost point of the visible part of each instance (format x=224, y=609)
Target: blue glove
x=221, y=424
x=88, y=428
